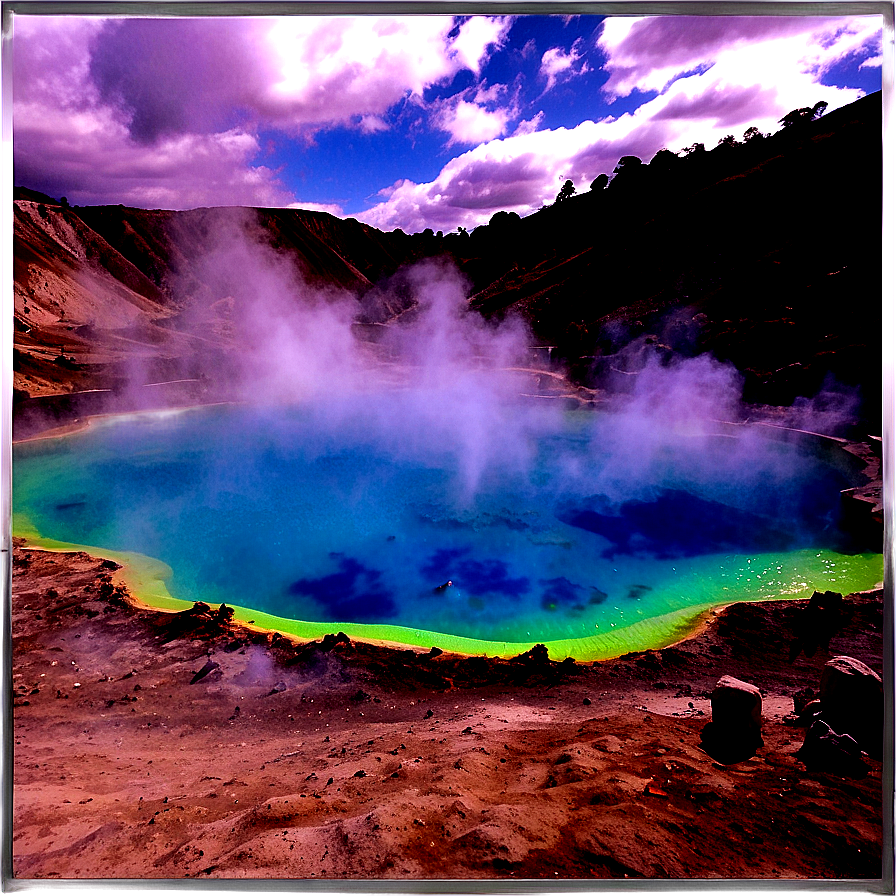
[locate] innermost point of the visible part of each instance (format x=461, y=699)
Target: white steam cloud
x=442, y=385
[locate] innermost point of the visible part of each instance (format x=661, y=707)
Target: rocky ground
x=155, y=745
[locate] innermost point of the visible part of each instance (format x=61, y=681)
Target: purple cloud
x=494, y=184
x=170, y=112
x=727, y=107
x=658, y=42
x=648, y=53
x=92, y=96
x=171, y=76
x=175, y=76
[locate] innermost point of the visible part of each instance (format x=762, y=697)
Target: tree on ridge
x=566, y=191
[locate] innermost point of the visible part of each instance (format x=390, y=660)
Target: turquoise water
x=345, y=516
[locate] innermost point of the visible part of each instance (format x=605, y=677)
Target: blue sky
x=412, y=122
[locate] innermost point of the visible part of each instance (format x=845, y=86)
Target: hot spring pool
x=569, y=528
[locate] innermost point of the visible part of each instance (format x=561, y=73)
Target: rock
x=537, y=655
x=194, y=621
x=825, y=750
x=826, y=600
x=734, y=734
x=802, y=698
x=809, y=713
x=736, y=703
x=817, y=623
x=852, y=701
x=210, y=666
x=224, y=615
x=330, y=642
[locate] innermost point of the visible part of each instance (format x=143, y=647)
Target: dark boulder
x=852, y=701
x=809, y=713
x=826, y=750
x=734, y=734
x=537, y=655
x=279, y=641
x=331, y=642
x=224, y=615
x=207, y=669
x=802, y=698
x=817, y=623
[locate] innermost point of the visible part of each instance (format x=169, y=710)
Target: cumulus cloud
x=558, y=65
x=331, y=208
x=477, y=34
x=716, y=76
x=332, y=69
x=176, y=76
x=171, y=109
x=474, y=115
x=515, y=174
x=471, y=123
x=293, y=73
x=92, y=161
x=646, y=54
x=530, y=125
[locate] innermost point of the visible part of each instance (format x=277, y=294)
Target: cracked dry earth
x=146, y=751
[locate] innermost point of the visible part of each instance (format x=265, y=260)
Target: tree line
x=665, y=158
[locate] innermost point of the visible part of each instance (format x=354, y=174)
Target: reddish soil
x=155, y=745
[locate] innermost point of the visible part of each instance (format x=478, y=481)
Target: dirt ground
x=159, y=745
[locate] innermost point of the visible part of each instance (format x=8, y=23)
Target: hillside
x=765, y=253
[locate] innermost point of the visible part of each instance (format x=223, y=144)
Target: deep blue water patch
x=354, y=593
x=678, y=524
x=478, y=576
x=560, y=593
x=442, y=563
x=636, y=591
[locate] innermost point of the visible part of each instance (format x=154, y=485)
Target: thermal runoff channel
x=433, y=494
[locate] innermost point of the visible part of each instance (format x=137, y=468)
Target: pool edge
x=145, y=577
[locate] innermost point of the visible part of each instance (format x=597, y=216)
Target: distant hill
x=102, y=290
x=765, y=253
x=33, y=196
